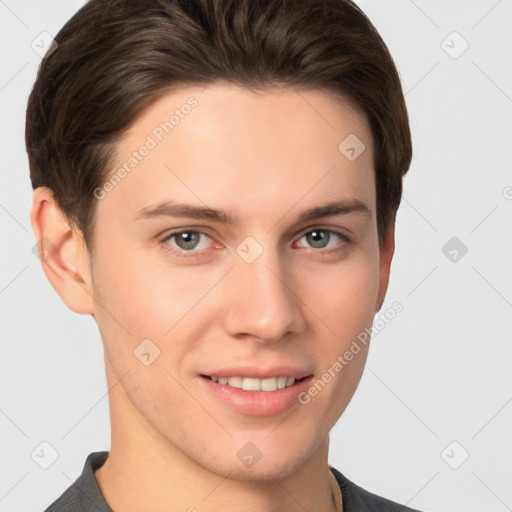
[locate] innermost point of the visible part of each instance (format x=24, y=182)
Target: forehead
x=230, y=144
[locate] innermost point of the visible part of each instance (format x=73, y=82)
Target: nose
x=263, y=304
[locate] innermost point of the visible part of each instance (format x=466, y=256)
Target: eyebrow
x=173, y=209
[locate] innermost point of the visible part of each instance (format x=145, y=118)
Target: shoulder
x=356, y=498
x=84, y=494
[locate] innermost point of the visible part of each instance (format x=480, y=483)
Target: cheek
x=140, y=291
x=137, y=301
x=343, y=295
x=345, y=309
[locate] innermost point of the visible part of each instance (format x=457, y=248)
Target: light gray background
x=438, y=373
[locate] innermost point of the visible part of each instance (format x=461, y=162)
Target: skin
x=264, y=157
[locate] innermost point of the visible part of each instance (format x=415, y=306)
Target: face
x=214, y=256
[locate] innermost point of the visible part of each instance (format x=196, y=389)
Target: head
x=181, y=155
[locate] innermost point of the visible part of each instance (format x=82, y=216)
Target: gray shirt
x=84, y=494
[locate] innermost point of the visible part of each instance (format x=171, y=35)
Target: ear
x=386, y=255
x=62, y=252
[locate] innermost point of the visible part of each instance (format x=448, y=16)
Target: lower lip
x=257, y=403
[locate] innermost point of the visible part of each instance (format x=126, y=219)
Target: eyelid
x=168, y=235
x=338, y=232
x=332, y=229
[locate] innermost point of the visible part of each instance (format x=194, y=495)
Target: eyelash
x=198, y=254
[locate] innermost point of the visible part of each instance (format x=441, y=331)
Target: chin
x=271, y=464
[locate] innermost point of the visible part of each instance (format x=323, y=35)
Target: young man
x=216, y=183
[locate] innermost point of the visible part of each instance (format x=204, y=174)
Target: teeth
x=269, y=384
x=236, y=382
x=254, y=384
x=248, y=383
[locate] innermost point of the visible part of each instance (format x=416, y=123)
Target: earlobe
x=62, y=252
x=386, y=256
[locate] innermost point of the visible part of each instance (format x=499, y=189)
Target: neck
x=170, y=487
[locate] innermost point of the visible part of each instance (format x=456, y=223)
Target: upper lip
x=259, y=372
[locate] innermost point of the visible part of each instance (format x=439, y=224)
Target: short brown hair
x=114, y=57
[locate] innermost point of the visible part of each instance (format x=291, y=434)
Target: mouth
x=268, y=384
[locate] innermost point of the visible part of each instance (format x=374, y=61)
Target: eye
x=186, y=241
x=193, y=243
x=324, y=238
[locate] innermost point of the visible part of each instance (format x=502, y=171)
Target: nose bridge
x=262, y=302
